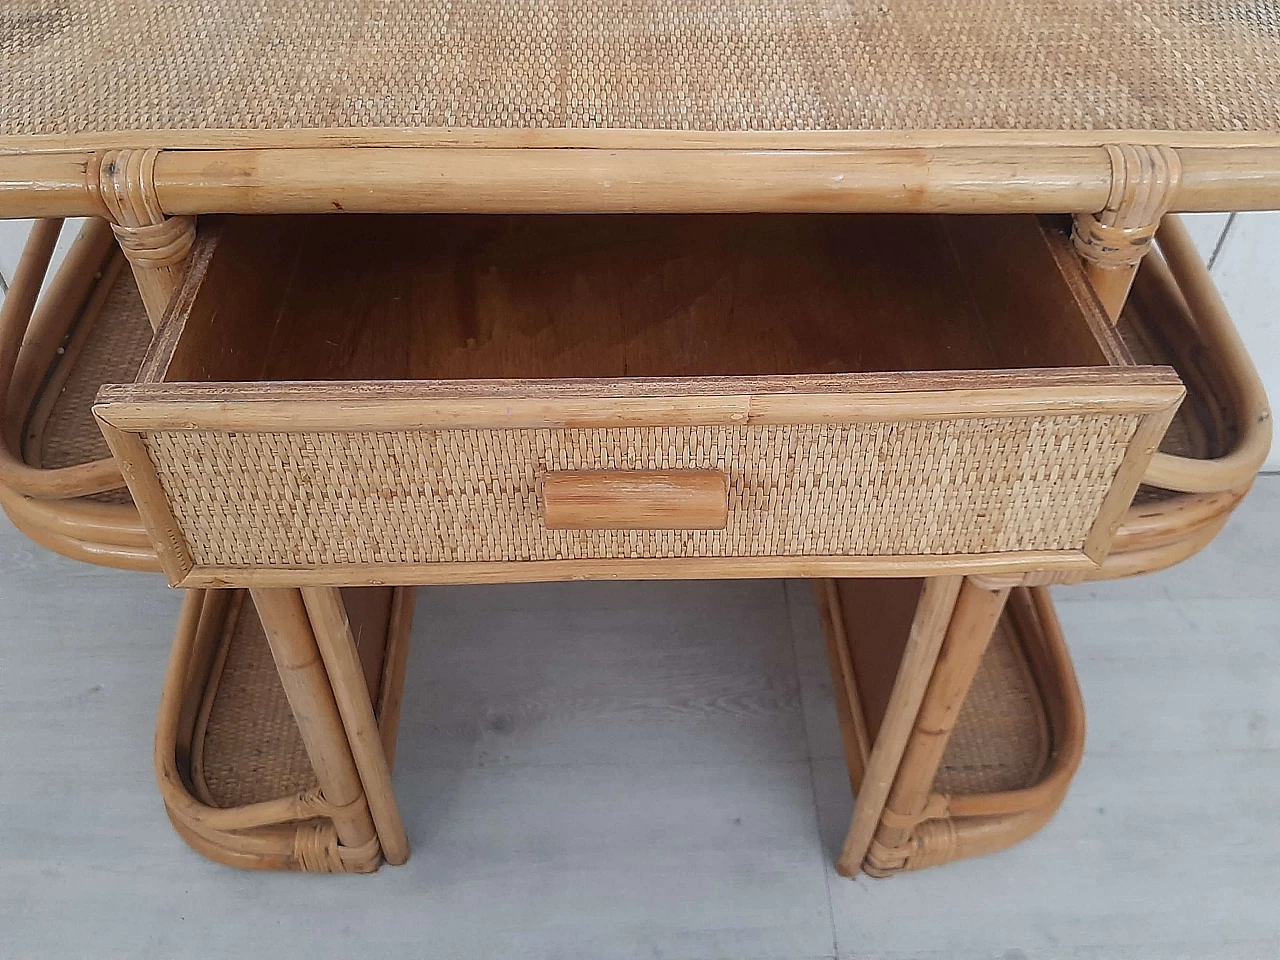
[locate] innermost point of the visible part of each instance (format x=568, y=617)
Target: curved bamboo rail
x=976, y=824
x=289, y=833
x=1156, y=535
x=46, y=504
x=1222, y=341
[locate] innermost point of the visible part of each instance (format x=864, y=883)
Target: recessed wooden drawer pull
x=635, y=500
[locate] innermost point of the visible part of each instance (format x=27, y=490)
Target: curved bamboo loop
x=121, y=557
x=1143, y=560
x=1248, y=395
x=275, y=834
x=99, y=476
x=72, y=291
x=954, y=827
x=113, y=524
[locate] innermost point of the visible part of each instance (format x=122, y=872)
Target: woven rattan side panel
x=933, y=488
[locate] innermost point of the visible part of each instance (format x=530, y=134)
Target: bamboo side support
x=337, y=647
x=937, y=601
x=976, y=613
x=1247, y=394
x=306, y=685
x=852, y=716
x=1055, y=675
x=983, y=823
x=16, y=314
x=391, y=692
x=280, y=834
x=217, y=619
x=71, y=295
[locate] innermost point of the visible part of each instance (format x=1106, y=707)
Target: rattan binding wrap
x=1201, y=65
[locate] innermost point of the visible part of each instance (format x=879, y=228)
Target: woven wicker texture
x=112, y=353
x=99, y=65
x=921, y=488
x=1185, y=437
x=1001, y=739
x=1201, y=428
x=251, y=749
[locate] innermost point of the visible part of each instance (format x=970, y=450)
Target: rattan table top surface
x=74, y=67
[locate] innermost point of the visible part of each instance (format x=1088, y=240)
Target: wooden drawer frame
x=195, y=455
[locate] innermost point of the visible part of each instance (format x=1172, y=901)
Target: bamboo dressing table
x=976, y=422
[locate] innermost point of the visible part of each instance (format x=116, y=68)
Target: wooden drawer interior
x=427, y=298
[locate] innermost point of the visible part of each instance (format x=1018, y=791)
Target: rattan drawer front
x=983, y=485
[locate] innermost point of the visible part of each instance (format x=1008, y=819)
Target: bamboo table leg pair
x=904, y=656
x=348, y=820
x=315, y=652
x=901, y=821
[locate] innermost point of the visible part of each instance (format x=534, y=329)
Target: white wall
x=1243, y=251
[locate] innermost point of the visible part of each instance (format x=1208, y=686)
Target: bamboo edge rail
x=1015, y=178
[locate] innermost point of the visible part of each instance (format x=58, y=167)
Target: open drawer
x=425, y=399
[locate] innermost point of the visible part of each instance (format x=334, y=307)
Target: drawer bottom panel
x=980, y=485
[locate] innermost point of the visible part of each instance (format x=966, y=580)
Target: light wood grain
x=635, y=500
x=692, y=401
x=306, y=684
x=337, y=647
x=974, y=617
x=928, y=630
x=678, y=568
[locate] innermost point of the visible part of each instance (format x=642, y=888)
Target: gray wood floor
x=652, y=771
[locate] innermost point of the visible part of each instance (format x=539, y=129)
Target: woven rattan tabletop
x=101, y=66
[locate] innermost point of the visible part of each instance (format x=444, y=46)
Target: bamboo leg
x=927, y=631
x=302, y=674
x=392, y=690
x=342, y=661
x=853, y=722
x=204, y=649
x=976, y=614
